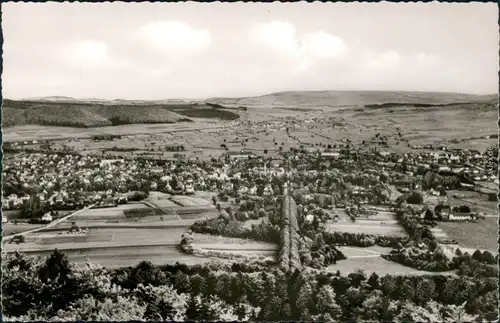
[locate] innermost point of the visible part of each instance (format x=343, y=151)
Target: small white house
x=47, y=217
x=460, y=217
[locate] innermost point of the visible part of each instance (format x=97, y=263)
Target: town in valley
x=307, y=205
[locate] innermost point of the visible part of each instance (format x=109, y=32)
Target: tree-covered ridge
x=54, y=289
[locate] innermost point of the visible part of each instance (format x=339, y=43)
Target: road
x=49, y=225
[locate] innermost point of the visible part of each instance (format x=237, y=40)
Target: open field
x=234, y=246
x=207, y=239
x=480, y=235
x=190, y=201
x=36, y=132
x=474, y=200
x=132, y=255
x=439, y=233
x=100, y=237
x=17, y=214
x=197, y=213
x=153, y=222
x=377, y=265
x=131, y=206
x=122, y=213
x=421, y=125
x=11, y=228
x=341, y=213
x=103, y=214
x=367, y=227
x=355, y=252
x=381, y=216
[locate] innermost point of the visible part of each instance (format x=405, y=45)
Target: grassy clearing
x=250, y=246
x=199, y=238
x=37, y=132
x=131, y=256
x=93, y=235
x=10, y=228
x=161, y=203
x=133, y=206
x=186, y=215
x=142, y=212
x=135, y=236
x=363, y=252
x=383, y=216
x=480, y=235
x=475, y=200
x=367, y=227
x=234, y=246
x=151, y=219
x=100, y=214
x=376, y=265
x=102, y=238
x=159, y=195
x=190, y=201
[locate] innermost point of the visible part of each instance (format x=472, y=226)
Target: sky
x=194, y=50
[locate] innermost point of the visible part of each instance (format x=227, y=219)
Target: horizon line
x=242, y=97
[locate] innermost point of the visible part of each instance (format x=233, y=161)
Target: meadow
x=377, y=265
x=367, y=227
x=119, y=257
x=480, y=235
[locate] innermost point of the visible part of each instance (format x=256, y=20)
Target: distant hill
x=78, y=114
x=67, y=99
x=325, y=99
x=95, y=112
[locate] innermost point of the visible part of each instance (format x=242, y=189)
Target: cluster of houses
x=69, y=180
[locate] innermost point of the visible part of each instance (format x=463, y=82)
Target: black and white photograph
x=250, y=162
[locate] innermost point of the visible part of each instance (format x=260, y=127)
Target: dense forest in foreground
x=54, y=289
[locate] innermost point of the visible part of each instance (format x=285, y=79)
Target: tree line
x=54, y=289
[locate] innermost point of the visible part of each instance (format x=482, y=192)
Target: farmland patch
x=367, y=227
x=131, y=256
x=480, y=235
x=136, y=236
x=142, y=212
x=377, y=265
x=190, y=201
x=100, y=214
x=355, y=252
x=11, y=228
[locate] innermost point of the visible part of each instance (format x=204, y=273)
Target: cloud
x=304, y=51
x=323, y=44
x=278, y=36
x=91, y=52
x=304, y=65
x=382, y=61
x=175, y=37
x=427, y=59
